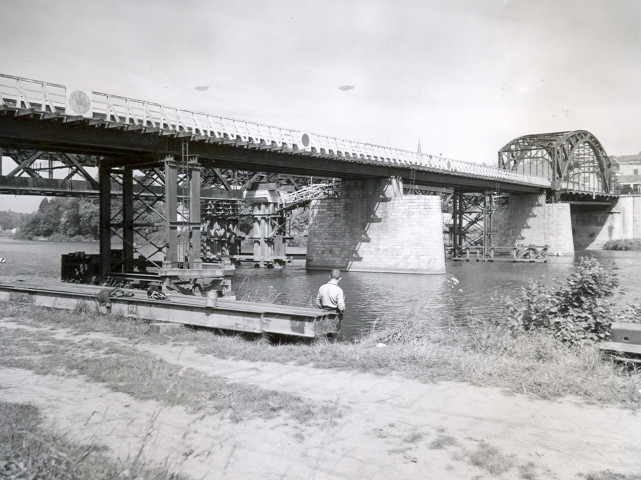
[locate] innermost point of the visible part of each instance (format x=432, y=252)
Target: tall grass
x=488, y=354
x=30, y=451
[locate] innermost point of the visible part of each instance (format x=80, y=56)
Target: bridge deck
x=52, y=116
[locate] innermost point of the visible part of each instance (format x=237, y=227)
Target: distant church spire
x=419, y=151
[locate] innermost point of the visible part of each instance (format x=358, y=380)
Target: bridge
x=71, y=141
x=574, y=162
x=81, y=128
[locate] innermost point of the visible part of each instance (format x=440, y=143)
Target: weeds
x=442, y=441
x=490, y=459
x=528, y=471
x=576, y=310
x=29, y=451
x=84, y=307
x=609, y=475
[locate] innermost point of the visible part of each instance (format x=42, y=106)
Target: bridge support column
x=268, y=232
x=104, y=176
x=373, y=227
x=528, y=220
x=128, y=219
x=182, y=218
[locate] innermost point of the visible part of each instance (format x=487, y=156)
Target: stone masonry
x=373, y=227
x=592, y=228
x=528, y=220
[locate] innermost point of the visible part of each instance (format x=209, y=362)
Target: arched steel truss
x=573, y=161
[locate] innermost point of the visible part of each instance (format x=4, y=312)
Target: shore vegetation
x=28, y=449
x=622, y=245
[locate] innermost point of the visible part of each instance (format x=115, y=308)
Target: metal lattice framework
x=574, y=161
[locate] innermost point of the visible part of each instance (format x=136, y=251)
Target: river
x=372, y=298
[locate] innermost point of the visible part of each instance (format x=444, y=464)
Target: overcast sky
x=465, y=77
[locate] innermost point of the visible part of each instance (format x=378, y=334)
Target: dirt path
x=388, y=428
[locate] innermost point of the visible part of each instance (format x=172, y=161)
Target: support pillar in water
x=374, y=227
x=529, y=220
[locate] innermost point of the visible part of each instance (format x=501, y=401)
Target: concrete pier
x=529, y=220
x=593, y=227
x=373, y=227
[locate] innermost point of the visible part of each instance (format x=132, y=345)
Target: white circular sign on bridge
x=78, y=102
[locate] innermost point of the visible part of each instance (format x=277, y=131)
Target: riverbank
x=453, y=404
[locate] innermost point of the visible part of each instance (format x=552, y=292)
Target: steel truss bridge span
x=56, y=118
x=574, y=162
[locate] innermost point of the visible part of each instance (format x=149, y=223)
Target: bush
x=578, y=310
x=622, y=245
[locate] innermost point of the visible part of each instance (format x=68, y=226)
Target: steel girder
x=573, y=161
x=235, y=179
x=34, y=163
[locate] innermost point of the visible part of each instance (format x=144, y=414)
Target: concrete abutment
x=373, y=227
x=594, y=226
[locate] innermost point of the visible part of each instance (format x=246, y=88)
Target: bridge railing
x=52, y=98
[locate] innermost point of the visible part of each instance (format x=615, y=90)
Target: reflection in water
x=370, y=297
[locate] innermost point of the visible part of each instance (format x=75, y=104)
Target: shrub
x=622, y=245
x=577, y=310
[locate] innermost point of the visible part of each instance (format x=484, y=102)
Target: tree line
x=62, y=219
x=78, y=219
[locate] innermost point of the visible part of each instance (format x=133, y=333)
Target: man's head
x=335, y=274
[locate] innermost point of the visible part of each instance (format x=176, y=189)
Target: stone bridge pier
x=594, y=225
x=529, y=220
x=373, y=227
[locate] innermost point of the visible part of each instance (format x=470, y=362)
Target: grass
x=482, y=354
x=144, y=376
x=609, y=475
x=27, y=450
x=490, y=459
x=417, y=346
x=443, y=441
x=528, y=471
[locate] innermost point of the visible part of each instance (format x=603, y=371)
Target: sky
x=464, y=77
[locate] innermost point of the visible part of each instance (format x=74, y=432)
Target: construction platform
x=228, y=314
